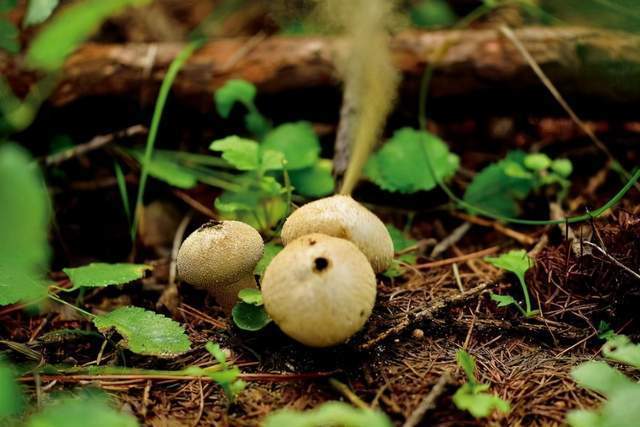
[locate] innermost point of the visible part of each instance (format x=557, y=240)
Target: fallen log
x=586, y=62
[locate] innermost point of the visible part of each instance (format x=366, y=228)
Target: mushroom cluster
x=320, y=289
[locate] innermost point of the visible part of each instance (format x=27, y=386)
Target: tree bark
x=580, y=61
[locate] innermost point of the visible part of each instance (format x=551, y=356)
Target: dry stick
x=346, y=392
x=415, y=317
x=96, y=142
x=559, y=98
x=615, y=261
x=429, y=401
x=521, y=238
x=451, y=239
x=461, y=258
x=265, y=377
x=169, y=297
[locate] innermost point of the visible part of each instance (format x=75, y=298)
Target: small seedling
x=401, y=243
x=249, y=313
x=517, y=262
x=622, y=393
x=472, y=396
x=227, y=376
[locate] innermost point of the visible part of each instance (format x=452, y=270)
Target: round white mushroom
x=341, y=216
x=220, y=257
x=319, y=290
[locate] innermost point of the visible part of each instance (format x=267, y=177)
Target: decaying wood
x=581, y=61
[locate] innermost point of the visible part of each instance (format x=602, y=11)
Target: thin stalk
x=165, y=88
x=78, y=309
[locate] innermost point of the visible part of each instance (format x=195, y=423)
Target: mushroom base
x=227, y=296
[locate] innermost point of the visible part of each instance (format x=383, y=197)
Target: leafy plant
x=500, y=187
x=99, y=274
x=432, y=14
x=65, y=410
x=24, y=223
x=394, y=166
x=622, y=393
x=271, y=249
x=472, y=396
x=38, y=11
x=249, y=314
x=145, y=332
x=286, y=158
x=328, y=414
x=227, y=377
x=518, y=263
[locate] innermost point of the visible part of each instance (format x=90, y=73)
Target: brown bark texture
x=580, y=61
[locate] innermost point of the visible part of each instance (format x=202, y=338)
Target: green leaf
x=169, y=170
x=214, y=349
x=400, y=240
x=262, y=207
x=314, y=181
x=621, y=349
x=537, y=162
x=600, y=377
x=242, y=153
x=79, y=412
x=9, y=36
x=432, y=14
x=39, y=10
x=145, y=332
x=478, y=404
x=7, y=5
x=69, y=28
x=400, y=165
x=503, y=300
x=297, y=141
x=328, y=414
x=250, y=317
x=562, y=167
x=233, y=91
x=99, y=274
x=583, y=418
x=516, y=261
x=256, y=123
x=251, y=296
x=271, y=160
x=498, y=188
x=621, y=410
x=11, y=396
x=23, y=201
x=468, y=364
x=271, y=249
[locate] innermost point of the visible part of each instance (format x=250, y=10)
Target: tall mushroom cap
x=319, y=290
x=218, y=254
x=341, y=216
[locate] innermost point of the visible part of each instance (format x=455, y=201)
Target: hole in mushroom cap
x=320, y=264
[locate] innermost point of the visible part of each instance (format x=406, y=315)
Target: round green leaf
x=249, y=317
x=297, y=141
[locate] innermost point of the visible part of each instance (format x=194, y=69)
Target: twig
x=615, y=261
x=346, y=392
x=461, y=258
x=196, y=205
x=428, y=402
x=422, y=315
x=95, y=143
x=521, y=238
x=508, y=33
x=451, y=239
x=456, y=274
x=262, y=377
x=169, y=297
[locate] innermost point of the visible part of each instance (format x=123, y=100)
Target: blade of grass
x=122, y=187
x=165, y=88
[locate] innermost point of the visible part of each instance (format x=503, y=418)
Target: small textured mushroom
x=341, y=216
x=220, y=257
x=319, y=290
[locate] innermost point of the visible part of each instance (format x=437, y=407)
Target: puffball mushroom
x=319, y=290
x=220, y=257
x=341, y=216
